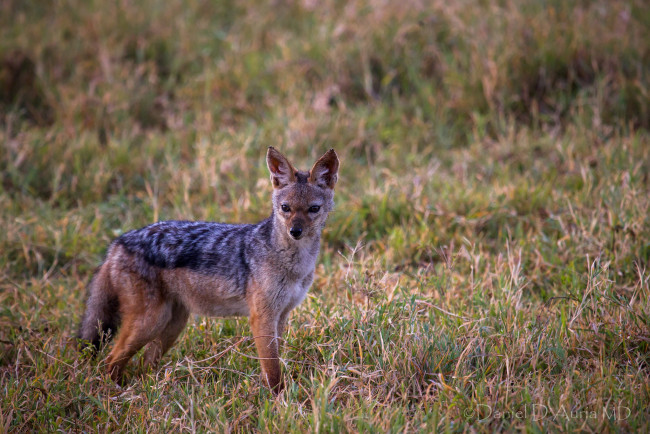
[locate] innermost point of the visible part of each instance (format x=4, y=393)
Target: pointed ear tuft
x=325, y=170
x=282, y=172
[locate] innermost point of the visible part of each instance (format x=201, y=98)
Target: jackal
x=154, y=277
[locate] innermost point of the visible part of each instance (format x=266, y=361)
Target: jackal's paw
x=273, y=383
x=152, y=355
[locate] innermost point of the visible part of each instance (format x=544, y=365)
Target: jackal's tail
x=102, y=317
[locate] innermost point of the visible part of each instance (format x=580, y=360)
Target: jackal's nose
x=296, y=232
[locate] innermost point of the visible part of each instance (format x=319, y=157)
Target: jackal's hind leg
x=164, y=341
x=137, y=330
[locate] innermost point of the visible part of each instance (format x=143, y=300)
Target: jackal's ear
x=325, y=170
x=282, y=172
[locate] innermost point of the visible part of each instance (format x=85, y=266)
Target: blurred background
x=494, y=159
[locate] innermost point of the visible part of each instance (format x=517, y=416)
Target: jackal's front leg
x=264, y=328
x=282, y=324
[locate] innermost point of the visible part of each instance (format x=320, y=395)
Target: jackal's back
x=203, y=247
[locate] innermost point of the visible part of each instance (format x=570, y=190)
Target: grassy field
x=487, y=264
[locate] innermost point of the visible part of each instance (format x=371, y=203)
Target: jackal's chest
x=295, y=274
x=295, y=292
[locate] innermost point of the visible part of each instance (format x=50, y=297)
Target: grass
x=486, y=267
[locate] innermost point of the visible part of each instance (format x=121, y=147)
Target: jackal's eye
x=314, y=208
x=285, y=207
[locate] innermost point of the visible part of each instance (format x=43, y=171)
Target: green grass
x=486, y=267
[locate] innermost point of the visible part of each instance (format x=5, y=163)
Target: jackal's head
x=302, y=200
